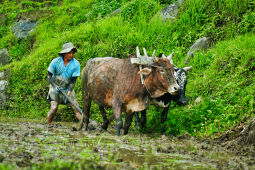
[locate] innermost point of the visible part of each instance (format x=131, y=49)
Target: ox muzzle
x=174, y=89
x=182, y=102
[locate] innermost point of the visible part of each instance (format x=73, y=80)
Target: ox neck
x=152, y=91
x=147, y=88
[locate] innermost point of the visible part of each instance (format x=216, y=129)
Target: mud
x=27, y=144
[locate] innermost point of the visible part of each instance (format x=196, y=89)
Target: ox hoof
x=118, y=132
x=105, y=125
x=138, y=126
x=125, y=132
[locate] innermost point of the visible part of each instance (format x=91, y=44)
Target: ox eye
x=162, y=71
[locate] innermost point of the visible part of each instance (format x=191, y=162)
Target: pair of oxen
x=130, y=85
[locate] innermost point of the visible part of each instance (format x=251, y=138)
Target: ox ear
x=170, y=57
x=187, y=68
x=145, y=71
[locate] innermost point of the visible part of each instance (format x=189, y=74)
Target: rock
x=23, y=28
x=200, y=44
x=198, y=100
x=248, y=133
x=169, y=12
x=4, y=56
x=117, y=11
x=3, y=85
x=3, y=91
x=1, y=75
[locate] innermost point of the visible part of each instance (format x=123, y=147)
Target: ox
x=124, y=86
x=162, y=101
x=165, y=100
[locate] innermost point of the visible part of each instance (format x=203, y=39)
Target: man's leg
x=77, y=113
x=52, y=112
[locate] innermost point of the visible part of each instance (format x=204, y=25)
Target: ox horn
x=163, y=56
x=154, y=56
x=187, y=68
x=137, y=52
x=145, y=53
x=170, y=57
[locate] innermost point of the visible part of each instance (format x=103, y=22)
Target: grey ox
x=126, y=85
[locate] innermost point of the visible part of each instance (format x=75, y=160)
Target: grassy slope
x=224, y=79
x=223, y=76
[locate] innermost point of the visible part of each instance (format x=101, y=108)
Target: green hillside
x=222, y=77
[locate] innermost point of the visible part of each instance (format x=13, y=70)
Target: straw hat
x=67, y=47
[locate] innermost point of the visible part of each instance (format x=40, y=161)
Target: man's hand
x=69, y=93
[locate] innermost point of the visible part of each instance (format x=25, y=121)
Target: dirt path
x=34, y=144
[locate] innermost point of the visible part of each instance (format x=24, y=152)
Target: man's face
x=69, y=56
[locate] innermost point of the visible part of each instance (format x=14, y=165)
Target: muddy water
x=26, y=144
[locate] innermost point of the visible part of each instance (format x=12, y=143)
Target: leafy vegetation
x=223, y=77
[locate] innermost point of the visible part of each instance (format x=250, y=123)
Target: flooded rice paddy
x=27, y=144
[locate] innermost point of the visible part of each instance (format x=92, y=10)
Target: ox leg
x=117, y=113
x=137, y=121
x=106, y=122
x=128, y=122
x=111, y=118
x=143, y=118
x=86, y=108
x=163, y=119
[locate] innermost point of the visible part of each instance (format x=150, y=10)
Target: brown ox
x=117, y=83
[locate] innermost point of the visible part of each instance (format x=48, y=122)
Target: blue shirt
x=57, y=67
x=62, y=73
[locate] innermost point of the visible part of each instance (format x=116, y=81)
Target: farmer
x=64, y=71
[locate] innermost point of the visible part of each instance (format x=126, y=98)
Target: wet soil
x=28, y=144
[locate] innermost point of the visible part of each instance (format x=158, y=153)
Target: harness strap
x=142, y=79
x=147, y=89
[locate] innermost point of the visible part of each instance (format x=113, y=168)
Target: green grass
x=223, y=76
x=227, y=86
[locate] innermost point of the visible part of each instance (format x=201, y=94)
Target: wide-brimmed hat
x=67, y=47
